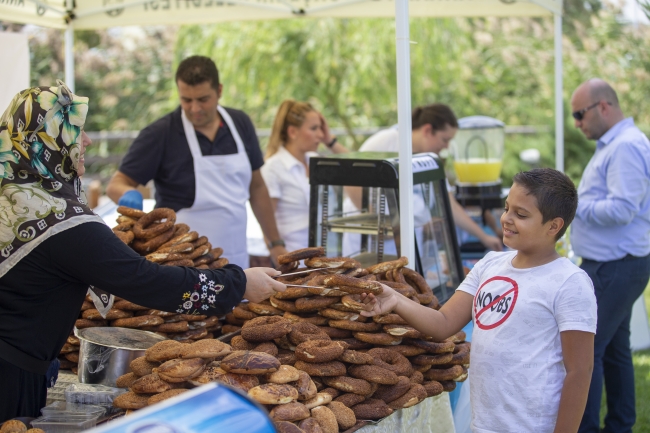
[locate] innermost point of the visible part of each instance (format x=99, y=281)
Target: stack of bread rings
x=17, y=426
x=307, y=354
x=363, y=369
x=167, y=369
x=156, y=236
x=184, y=328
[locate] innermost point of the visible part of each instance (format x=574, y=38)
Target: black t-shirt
x=40, y=297
x=161, y=152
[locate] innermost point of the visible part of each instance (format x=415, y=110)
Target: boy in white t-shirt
x=534, y=316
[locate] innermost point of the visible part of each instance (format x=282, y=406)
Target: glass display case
x=354, y=211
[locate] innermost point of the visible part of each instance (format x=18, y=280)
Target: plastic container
x=90, y=394
x=56, y=393
x=65, y=422
x=478, y=149
x=73, y=408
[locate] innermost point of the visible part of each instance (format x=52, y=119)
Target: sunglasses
x=580, y=114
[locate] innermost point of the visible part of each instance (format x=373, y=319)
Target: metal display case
x=354, y=211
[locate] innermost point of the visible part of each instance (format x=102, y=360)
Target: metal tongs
x=306, y=271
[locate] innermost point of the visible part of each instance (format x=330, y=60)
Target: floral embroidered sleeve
x=119, y=270
x=202, y=297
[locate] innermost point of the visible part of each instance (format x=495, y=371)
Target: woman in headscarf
x=53, y=248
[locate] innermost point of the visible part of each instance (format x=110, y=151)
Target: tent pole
x=69, y=57
x=407, y=230
x=69, y=47
x=559, y=103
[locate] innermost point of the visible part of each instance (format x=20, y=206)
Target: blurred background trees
x=499, y=67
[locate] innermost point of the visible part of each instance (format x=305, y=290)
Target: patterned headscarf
x=40, y=190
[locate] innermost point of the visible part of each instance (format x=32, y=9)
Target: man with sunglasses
x=611, y=232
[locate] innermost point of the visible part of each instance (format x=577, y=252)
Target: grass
x=641, y=361
x=642, y=387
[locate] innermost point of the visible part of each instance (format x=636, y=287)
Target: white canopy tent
x=95, y=14
x=13, y=46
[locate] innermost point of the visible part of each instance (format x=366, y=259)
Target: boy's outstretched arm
x=578, y=354
x=451, y=318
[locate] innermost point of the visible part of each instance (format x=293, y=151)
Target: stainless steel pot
x=105, y=353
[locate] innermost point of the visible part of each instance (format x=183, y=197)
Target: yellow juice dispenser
x=478, y=154
x=478, y=150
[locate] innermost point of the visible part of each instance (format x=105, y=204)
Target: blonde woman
x=297, y=132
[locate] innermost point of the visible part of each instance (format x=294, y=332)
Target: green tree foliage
x=500, y=67
x=125, y=72
x=334, y=63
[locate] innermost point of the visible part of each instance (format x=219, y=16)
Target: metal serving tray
x=365, y=224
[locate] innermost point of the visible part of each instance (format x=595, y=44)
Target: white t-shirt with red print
x=517, y=369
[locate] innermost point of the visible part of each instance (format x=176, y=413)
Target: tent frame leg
x=403, y=51
x=559, y=103
x=69, y=50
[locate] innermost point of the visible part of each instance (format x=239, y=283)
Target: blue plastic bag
x=214, y=407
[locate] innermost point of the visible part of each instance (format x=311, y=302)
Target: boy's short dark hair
x=436, y=115
x=555, y=193
x=198, y=69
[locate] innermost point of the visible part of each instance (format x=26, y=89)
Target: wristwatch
x=276, y=243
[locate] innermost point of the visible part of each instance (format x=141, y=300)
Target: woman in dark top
x=53, y=248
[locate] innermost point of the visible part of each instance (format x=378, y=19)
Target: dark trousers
x=617, y=285
x=22, y=394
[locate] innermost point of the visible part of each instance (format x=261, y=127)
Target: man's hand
x=492, y=242
x=132, y=199
x=275, y=252
x=379, y=304
x=119, y=185
x=260, y=285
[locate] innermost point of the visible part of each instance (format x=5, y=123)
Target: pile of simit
x=156, y=236
x=17, y=426
x=317, y=363
x=185, y=328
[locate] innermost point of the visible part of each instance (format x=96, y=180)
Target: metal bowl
x=105, y=353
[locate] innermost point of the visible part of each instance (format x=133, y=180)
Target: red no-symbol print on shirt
x=494, y=302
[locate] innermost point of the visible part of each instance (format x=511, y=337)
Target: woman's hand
x=492, y=243
x=260, y=285
x=379, y=304
x=327, y=135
